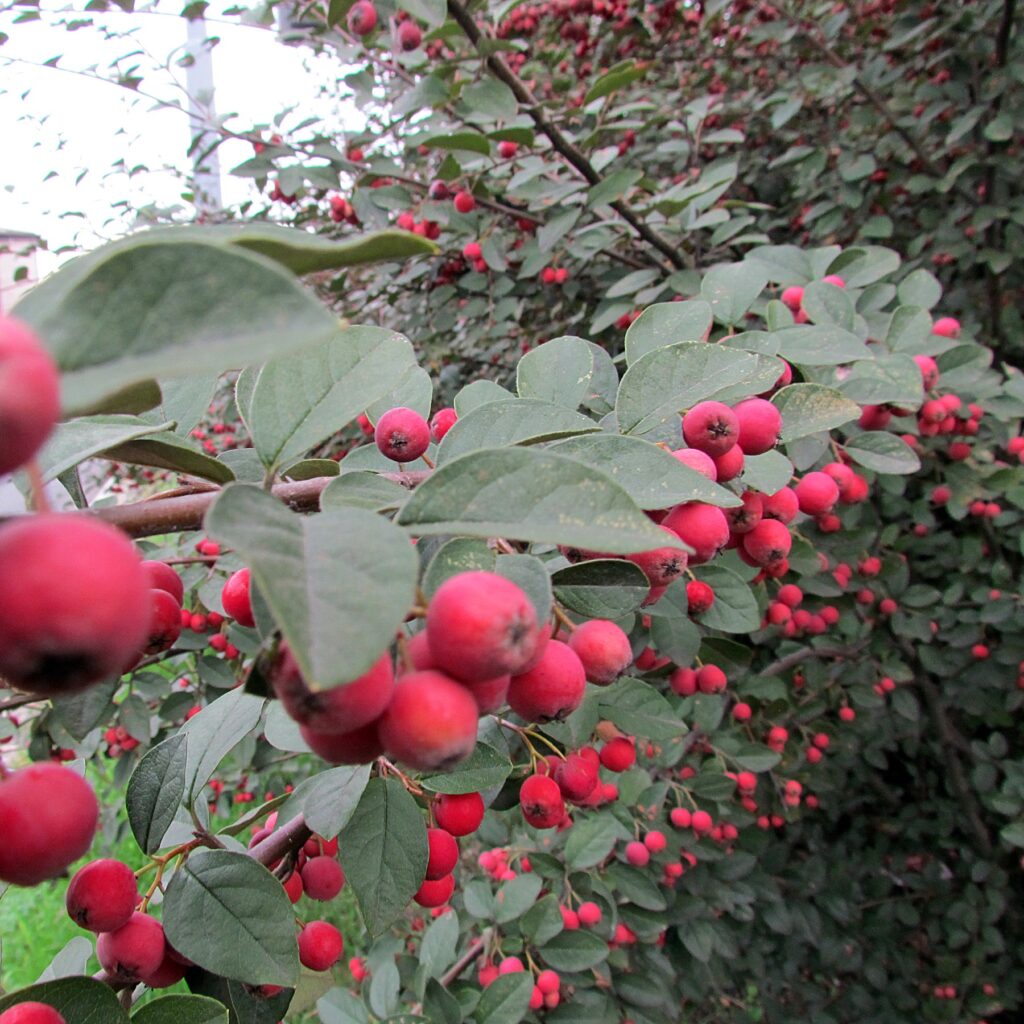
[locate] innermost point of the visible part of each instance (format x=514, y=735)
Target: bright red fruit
x=435, y=893
x=703, y=527
x=770, y=541
x=431, y=722
x=552, y=689
x=699, y=597
x=760, y=423
x=589, y=914
x=576, y=776
x=362, y=19
x=135, y=949
x=360, y=746
x=464, y=202
x=459, y=813
x=711, y=427
x=162, y=577
x=164, y=623
x=618, y=754
x=441, y=422
x=444, y=853
x=341, y=709
x=402, y=434
x=102, y=895
x=236, y=598
x=410, y=35
x=603, y=648
x=817, y=493
x=661, y=566
x=82, y=607
x=320, y=946
x=541, y=801
x=322, y=878
x=481, y=625
x=49, y=817
x=31, y=1013
x=29, y=394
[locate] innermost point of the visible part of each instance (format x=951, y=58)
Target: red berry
x=548, y=981
x=31, y=1013
x=730, y=465
x=402, y=434
x=929, y=371
x=481, y=625
x=701, y=822
x=459, y=813
x=164, y=623
x=135, y=949
x=102, y=895
x=589, y=914
x=655, y=841
x=759, y=425
x=362, y=20
x=793, y=297
x=29, y=394
x=444, y=853
x=49, y=816
x=637, y=854
x=697, y=460
x=82, y=608
x=699, y=597
x=464, y=202
x=711, y=679
x=816, y=493
x=435, y=893
x=603, y=648
x=410, y=35
x=741, y=712
x=320, y=946
x=441, y=422
x=618, y=754
x=552, y=689
x=661, y=566
x=770, y=541
x=576, y=776
x=782, y=505
x=360, y=746
x=711, y=427
x=541, y=801
x=431, y=722
x=343, y=708
x=236, y=599
x=162, y=577
x=322, y=878
x=703, y=527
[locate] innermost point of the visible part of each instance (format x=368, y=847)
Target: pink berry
x=402, y=434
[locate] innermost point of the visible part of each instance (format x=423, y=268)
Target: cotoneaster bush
x=615, y=725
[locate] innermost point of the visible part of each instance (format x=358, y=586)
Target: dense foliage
x=810, y=801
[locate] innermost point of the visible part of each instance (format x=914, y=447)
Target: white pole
x=199, y=81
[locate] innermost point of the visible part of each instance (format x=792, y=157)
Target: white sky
x=69, y=124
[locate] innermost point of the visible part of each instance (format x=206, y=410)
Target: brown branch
x=806, y=654
x=496, y=63
x=290, y=836
x=476, y=947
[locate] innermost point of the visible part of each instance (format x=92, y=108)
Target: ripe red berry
x=552, y=689
x=31, y=1013
x=430, y=723
x=683, y=682
x=322, y=878
x=341, y=709
x=162, y=577
x=481, y=625
x=49, y=816
x=577, y=776
x=29, y=394
x=711, y=427
x=699, y=597
x=782, y=505
x=464, y=202
x=701, y=822
x=548, y=981
x=697, y=460
x=102, y=895
x=793, y=297
x=435, y=893
x=759, y=425
x=680, y=817
x=637, y=854
x=320, y=946
x=770, y=541
x=816, y=493
x=135, y=949
x=655, y=841
x=703, y=527
x=82, y=608
x=711, y=679
x=236, y=598
x=603, y=648
x=730, y=465
x=618, y=754
x=741, y=712
x=507, y=149
x=362, y=19
x=441, y=422
x=164, y=623
x=402, y=434
x=790, y=594
x=929, y=371
x=459, y=813
x=360, y=746
x=661, y=566
x=444, y=853
x=410, y=35
x=743, y=518
x=541, y=801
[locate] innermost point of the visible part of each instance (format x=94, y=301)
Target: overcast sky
x=78, y=128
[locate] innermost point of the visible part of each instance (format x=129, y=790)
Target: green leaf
x=485, y=768
x=754, y=758
x=863, y=265
x=506, y=1000
x=167, y=450
x=768, y=472
x=614, y=187
x=231, y=916
x=78, y=1000
x=181, y=1009
x=384, y=852
x=999, y=129
x=304, y=399
x=440, y=942
x=489, y=97
x=810, y=408
x=340, y=1006
x=889, y=378
x=614, y=79
x=826, y=303
x=362, y=489
x=461, y=554
x=667, y=323
x=155, y=791
x=735, y=608
x=699, y=939
x=214, y=732
x=826, y=345
x=295, y=563
x=433, y=12
x=638, y=709
x=480, y=392
x=592, y=840
x=414, y=391
x=601, y=589
x=910, y=331
x=146, y=308
x=328, y=799
x=1012, y=834
x=515, y=897
x=667, y=381
x=439, y=1006
x=574, y=951
x=530, y=574
x=920, y=288
x=557, y=372
x=554, y=230
x=530, y=495
x=732, y=289
x=385, y=984
x=502, y=424
x=883, y=452
x=469, y=141
x=543, y=921
x=80, y=713
x=651, y=476
x=636, y=886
